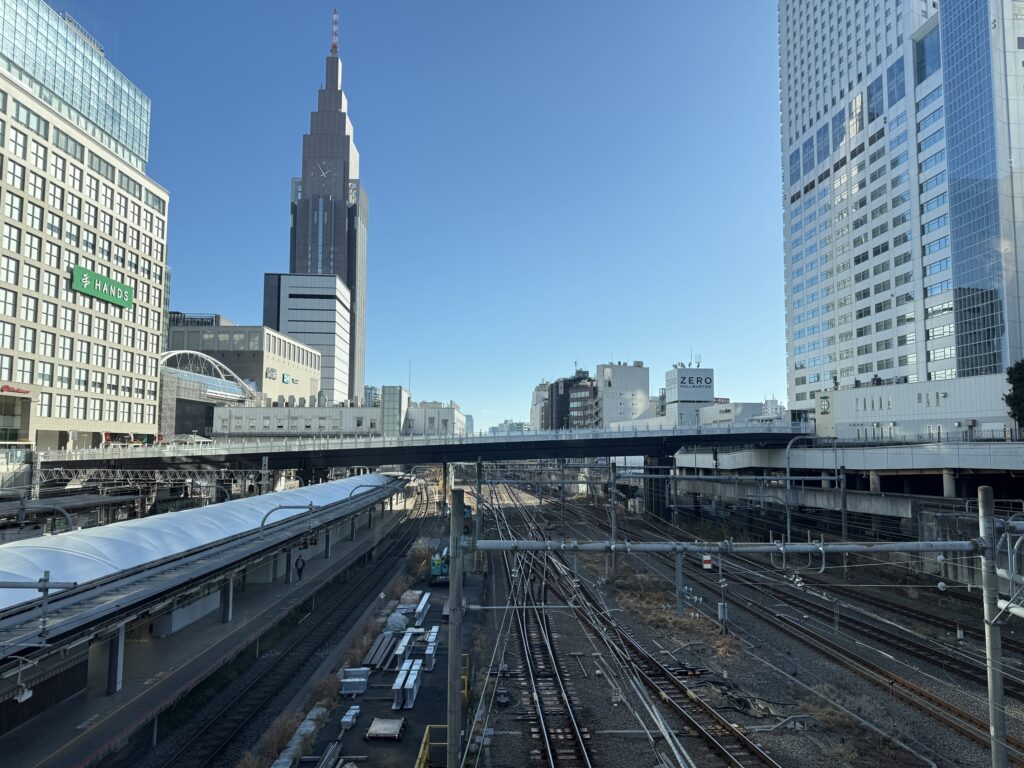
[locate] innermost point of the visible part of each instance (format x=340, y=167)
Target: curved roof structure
x=93, y=553
x=201, y=368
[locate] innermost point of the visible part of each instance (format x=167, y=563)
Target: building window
x=26, y=369
x=8, y=302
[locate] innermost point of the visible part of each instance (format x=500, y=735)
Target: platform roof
x=95, y=553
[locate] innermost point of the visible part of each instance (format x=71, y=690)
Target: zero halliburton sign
x=92, y=284
x=691, y=384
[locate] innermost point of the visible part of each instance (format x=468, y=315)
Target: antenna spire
x=334, y=32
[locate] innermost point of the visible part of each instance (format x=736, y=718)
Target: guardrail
x=322, y=443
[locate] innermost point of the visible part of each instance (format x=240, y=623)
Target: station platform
x=158, y=671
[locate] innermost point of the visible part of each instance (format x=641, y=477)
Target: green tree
x=1014, y=398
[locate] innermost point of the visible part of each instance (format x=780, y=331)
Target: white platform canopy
x=82, y=556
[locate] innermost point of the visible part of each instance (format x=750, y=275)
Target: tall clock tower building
x=328, y=234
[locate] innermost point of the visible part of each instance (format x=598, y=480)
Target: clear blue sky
x=551, y=181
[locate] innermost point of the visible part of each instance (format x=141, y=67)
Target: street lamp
x=308, y=507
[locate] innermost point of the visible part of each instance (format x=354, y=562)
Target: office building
x=275, y=365
x=509, y=427
x=83, y=239
x=569, y=402
x=900, y=120
x=679, y=403
x=315, y=310
x=540, y=396
x=329, y=222
x=622, y=393
x=371, y=395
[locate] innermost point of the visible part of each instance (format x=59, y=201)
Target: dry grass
x=851, y=744
x=646, y=598
x=326, y=690
x=418, y=561
x=820, y=711
x=281, y=731
x=361, y=644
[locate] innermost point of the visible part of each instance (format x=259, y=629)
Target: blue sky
x=551, y=181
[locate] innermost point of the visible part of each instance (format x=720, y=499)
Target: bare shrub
x=418, y=560
x=361, y=644
x=326, y=689
x=281, y=731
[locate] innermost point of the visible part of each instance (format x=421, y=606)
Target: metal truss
x=149, y=476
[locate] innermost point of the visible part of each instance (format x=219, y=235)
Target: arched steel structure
x=197, y=362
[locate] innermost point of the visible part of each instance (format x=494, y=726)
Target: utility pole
x=478, y=522
x=479, y=504
x=455, y=630
x=614, y=524
x=679, y=582
x=561, y=463
x=993, y=624
x=843, y=515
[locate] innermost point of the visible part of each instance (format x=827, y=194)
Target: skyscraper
x=329, y=212
x=899, y=122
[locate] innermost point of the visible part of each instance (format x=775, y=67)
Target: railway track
x=934, y=652
x=913, y=694
x=562, y=741
x=723, y=738
x=210, y=745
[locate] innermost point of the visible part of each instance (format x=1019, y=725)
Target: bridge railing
x=265, y=444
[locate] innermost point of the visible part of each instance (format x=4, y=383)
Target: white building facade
x=395, y=416
x=623, y=392
x=899, y=122
x=540, y=397
x=316, y=310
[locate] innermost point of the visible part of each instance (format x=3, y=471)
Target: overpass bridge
x=321, y=452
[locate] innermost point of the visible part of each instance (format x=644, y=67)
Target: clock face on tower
x=324, y=174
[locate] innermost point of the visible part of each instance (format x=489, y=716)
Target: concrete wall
x=622, y=391
x=863, y=502
x=925, y=409
x=179, y=618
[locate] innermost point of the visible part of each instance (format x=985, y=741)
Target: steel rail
x=536, y=644
x=204, y=747
x=934, y=653
x=935, y=706
x=723, y=737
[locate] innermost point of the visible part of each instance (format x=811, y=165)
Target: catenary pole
x=455, y=630
x=993, y=638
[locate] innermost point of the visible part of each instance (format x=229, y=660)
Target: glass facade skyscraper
x=65, y=67
x=901, y=201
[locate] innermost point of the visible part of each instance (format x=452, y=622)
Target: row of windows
x=42, y=373
x=31, y=310
x=74, y=209
x=94, y=409
x=31, y=307
x=40, y=127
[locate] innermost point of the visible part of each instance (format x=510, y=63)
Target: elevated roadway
x=325, y=452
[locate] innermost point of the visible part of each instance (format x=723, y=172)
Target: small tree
x=1014, y=398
